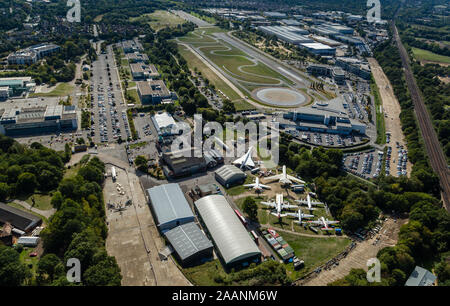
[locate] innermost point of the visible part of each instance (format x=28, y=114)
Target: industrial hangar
x=190, y=244
x=230, y=237
x=169, y=206
x=230, y=175
x=19, y=219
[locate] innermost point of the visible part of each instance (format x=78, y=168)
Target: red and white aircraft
x=324, y=222
x=309, y=203
x=279, y=205
x=257, y=186
x=300, y=215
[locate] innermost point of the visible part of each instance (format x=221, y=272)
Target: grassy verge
x=41, y=201
x=62, y=89
x=425, y=55
x=314, y=251
x=381, y=125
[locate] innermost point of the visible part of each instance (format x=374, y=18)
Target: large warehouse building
x=289, y=34
x=190, y=244
x=19, y=219
x=169, y=206
x=32, y=120
x=232, y=240
x=326, y=117
x=230, y=175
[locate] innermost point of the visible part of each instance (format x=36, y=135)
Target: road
x=286, y=71
x=191, y=18
x=433, y=147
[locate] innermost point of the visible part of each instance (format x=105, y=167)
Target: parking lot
x=396, y=164
x=326, y=139
x=108, y=111
x=365, y=165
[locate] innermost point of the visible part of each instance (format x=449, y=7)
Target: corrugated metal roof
x=420, y=277
x=228, y=172
x=187, y=240
x=169, y=203
x=230, y=236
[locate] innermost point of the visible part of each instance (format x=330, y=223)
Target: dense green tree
x=12, y=271
x=250, y=208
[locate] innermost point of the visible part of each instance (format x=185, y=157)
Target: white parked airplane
x=284, y=178
x=309, y=202
x=324, y=222
x=246, y=160
x=279, y=205
x=257, y=186
x=300, y=215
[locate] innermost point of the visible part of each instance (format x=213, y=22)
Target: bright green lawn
x=62, y=89
x=42, y=201
x=426, y=55
x=314, y=251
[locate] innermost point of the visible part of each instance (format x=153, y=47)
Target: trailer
x=113, y=174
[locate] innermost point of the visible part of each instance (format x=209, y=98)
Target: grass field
x=208, y=19
x=133, y=93
x=69, y=173
x=381, y=125
x=62, y=89
x=42, y=201
x=160, y=19
x=203, y=275
x=248, y=74
x=314, y=251
x=425, y=55
x=194, y=62
x=31, y=262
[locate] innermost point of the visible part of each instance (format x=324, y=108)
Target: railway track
x=432, y=145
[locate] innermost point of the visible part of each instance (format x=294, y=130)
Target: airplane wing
x=239, y=161
x=276, y=214
x=316, y=222
x=331, y=222
x=316, y=203
x=274, y=177
x=307, y=216
x=301, y=201
x=289, y=206
x=271, y=204
x=292, y=178
x=292, y=214
x=250, y=185
x=264, y=186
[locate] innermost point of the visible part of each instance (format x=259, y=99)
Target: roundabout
x=280, y=97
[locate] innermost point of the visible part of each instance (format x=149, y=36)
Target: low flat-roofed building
x=230, y=175
x=355, y=66
x=169, y=206
x=34, y=120
x=28, y=241
x=274, y=14
x=325, y=40
x=18, y=218
x=165, y=125
x=179, y=165
x=131, y=46
x=142, y=71
x=137, y=57
x=289, y=34
x=190, y=244
x=324, y=116
x=4, y=93
x=153, y=92
x=421, y=277
x=318, y=48
x=32, y=54
x=17, y=85
x=230, y=237
x=338, y=75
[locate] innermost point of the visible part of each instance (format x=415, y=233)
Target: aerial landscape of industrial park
x=224, y=143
